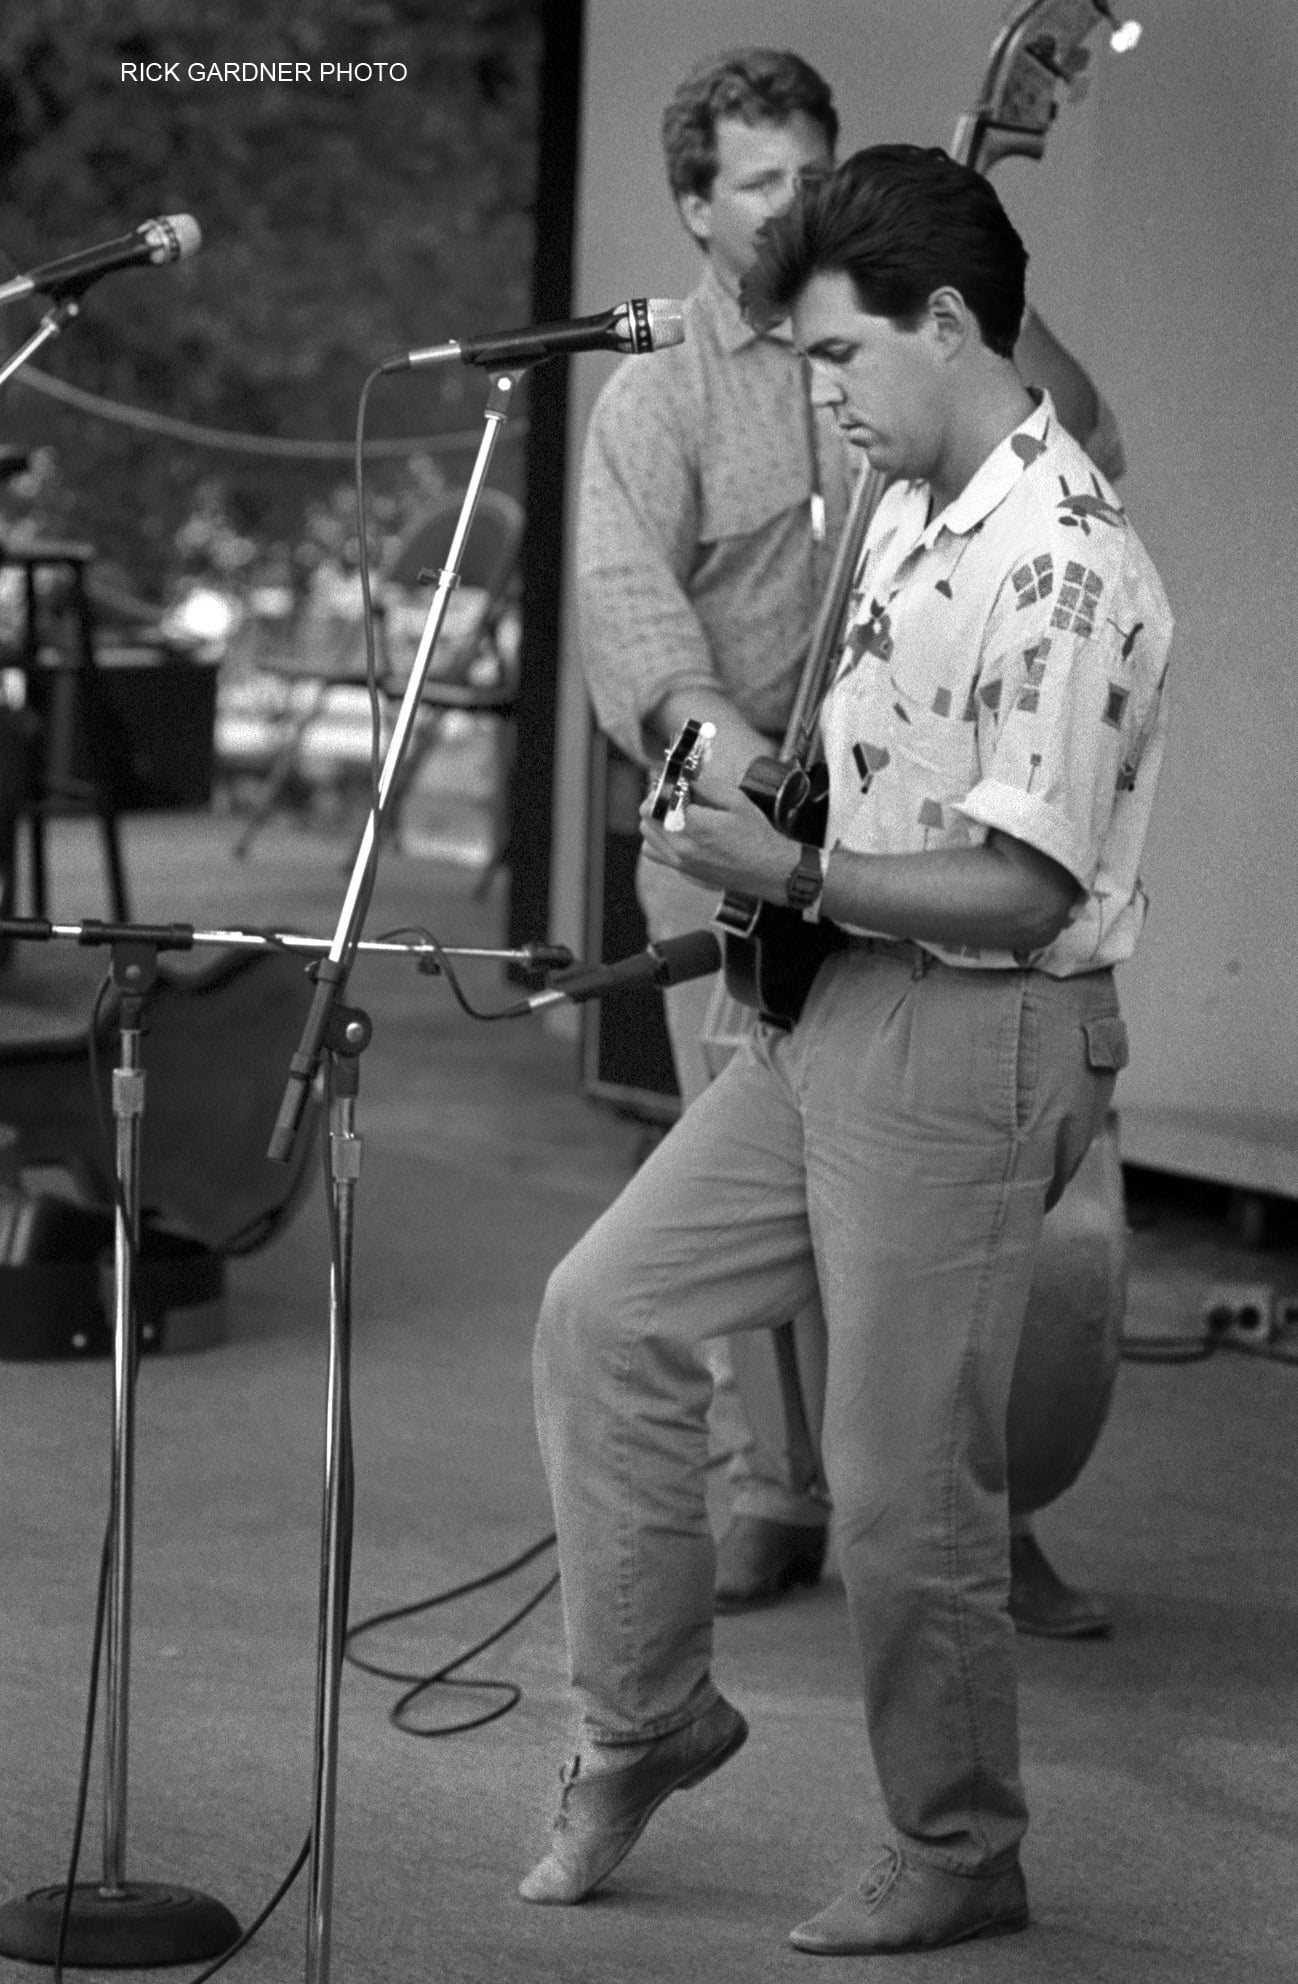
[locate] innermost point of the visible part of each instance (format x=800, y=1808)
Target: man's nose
x=826, y=389
x=779, y=197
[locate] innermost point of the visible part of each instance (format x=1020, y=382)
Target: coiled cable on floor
x=443, y=1676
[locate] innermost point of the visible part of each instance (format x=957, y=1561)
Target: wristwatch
x=806, y=880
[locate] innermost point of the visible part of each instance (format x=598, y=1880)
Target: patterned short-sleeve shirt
x=1004, y=668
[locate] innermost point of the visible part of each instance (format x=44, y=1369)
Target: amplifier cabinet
x=141, y=733
x=626, y=1056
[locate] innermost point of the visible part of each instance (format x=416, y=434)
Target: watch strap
x=806, y=880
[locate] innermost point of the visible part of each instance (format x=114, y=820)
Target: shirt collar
x=730, y=327
x=1010, y=459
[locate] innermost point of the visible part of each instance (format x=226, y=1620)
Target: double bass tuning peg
x=1068, y=64
x=1124, y=34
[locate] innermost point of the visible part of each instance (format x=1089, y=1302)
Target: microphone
x=676, y=959
x=642, y=324
x=170, y=238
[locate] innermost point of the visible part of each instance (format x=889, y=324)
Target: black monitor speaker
x=626, y=1055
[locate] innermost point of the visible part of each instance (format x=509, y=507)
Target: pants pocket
x=1107, y=1047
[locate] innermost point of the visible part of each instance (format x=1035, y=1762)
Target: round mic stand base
x=140, y=1925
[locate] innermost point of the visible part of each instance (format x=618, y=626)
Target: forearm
x=999, y=896
x=636, y=538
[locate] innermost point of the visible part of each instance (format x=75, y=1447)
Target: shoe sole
x=1052, y=1629
x=1006, y=1925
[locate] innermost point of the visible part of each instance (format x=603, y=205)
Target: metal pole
x=50, y=326
x=332, y=974
x=128, y=1110
x=345, y=1169
x=116, y=1923
x=494, y=417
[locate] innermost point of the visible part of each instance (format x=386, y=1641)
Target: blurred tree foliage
x=342, y=221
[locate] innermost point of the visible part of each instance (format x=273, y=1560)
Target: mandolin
x=686, y=756
x=772, y=953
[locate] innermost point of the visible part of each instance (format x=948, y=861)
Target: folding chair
x=472, y=669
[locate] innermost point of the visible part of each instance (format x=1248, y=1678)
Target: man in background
x=713, y=495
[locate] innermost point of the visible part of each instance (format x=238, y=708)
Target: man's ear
x=951, y=320
x=696, y=212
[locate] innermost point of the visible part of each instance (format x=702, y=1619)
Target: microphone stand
x=50, y=325
x=342, y=1033
x=119, y=1923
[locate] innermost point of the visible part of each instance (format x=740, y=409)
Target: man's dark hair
x=901, y=221
x=757, y=85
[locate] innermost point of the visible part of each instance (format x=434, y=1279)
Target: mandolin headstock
x=1040, y=49
x=687, y=754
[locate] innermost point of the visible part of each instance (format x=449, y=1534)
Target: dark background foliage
x=342, y=221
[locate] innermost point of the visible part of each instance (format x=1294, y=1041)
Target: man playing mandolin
x=993, y=739
x=712, y=498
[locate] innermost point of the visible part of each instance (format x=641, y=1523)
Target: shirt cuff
x=624, y=710
x=1010, y=810
x=681, y=682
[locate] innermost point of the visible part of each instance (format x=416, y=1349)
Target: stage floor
x=1161, y=1765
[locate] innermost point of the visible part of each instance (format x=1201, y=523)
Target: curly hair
x=901, y=221
x=758, y=85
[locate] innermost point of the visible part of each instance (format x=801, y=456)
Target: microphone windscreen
x=666, y=322
x=188, y=233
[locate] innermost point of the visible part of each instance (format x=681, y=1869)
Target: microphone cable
x=229, y=441
x=87, y=1747
x=445, y=1675
x=516, y=1010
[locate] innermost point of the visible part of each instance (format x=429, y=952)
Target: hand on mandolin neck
x=724, y=841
